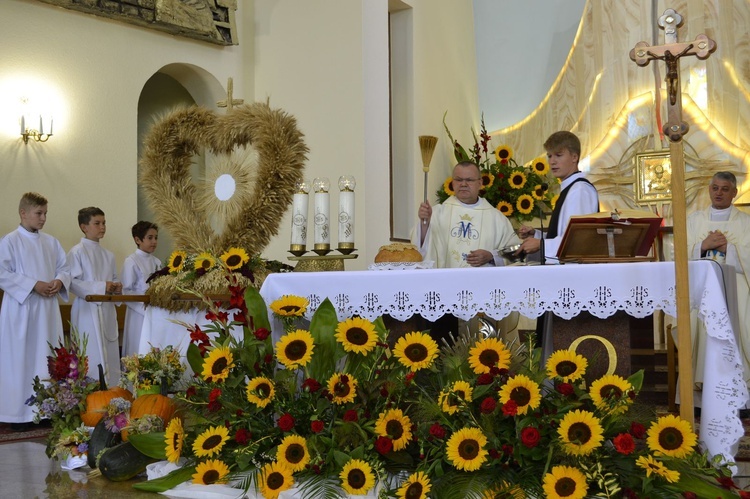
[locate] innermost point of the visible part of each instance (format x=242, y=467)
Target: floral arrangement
x=61, y=398
x=514, y=189
x=333, y=410
x=156, y=367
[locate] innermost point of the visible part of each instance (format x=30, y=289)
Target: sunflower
x=204, y=261
x=465, y=449
x=453, y=397
x=274, y=479
x=210, y=442
x=523, y=391
x=417, y=486
x=538, y=192
x=489, y=353
x=293, y=453
x=540, y=166
x=260, y=391
x=610, y=394
x=394, y=425
x=234, y=258
x=553, y=202
x=581, y=432
x=357, y=335
x=503, y=153
x=357, y=477
x=504, y=490
x=566, y=365
x=416, y=350
x=651, y=465
x=505, y=208
x=177, y=261
x=289, y=306
x=209, y=472
x=217, y=365
x=525, y=204
x=672, y=436
x=295, y=349
x=174, y=438
x=517, y=180
x=343, y=388
x=448, y=186
x=487, y=180
x=565, y=482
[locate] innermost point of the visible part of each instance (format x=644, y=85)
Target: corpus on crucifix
x=230, y=102
x=671, y=53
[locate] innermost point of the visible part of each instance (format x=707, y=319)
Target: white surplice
x=91, y=266
x=137, y=268
x=28, y=321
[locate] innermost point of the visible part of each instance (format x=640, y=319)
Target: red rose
x=316, y=426
x=510, y=408
x=530, y=437
x=242, y=436
x=484, y=379
x=437, y=431
x=351, y=416
x=261, y=333
x=565, y=389
x=624, y=443
x=494, y=454
x=190, y=392
x=310, y=385
x=214, y=395
x=637, y=430
x=214, y=406
x=383, y=445
x=488, y=405
x=507, y=449
x=286, y=422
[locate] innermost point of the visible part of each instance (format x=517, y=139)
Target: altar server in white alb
x=93, y=272
x=465, y=230
x=137, y=268
x=722, y=232
x=33, y=273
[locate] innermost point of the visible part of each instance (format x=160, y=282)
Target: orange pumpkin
x=151, y=403
x=96, y=402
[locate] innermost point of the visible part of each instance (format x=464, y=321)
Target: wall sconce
x=37, y=135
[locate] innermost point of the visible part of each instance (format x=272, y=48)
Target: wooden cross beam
x=229, y=102
x=675, y=128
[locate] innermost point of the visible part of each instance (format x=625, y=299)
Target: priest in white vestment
x=33, y=272
x=722, y=232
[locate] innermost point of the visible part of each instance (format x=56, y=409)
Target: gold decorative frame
x=653, y=171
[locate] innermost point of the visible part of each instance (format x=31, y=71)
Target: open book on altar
x=619, y=236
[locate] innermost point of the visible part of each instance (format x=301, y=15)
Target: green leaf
x=322, y=328
x=257, y=308
x=636, y=380
x=150, y=444
x=341, y=458
x=167, y=482
x=194, y=358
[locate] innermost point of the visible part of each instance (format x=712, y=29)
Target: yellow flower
x=295, y=349
x=565, y=482
x=210, y=442
x=293, y=453
x=566, y=365
x=357, y=477
x=651, y=465
x=553, y=202
x=211, y=471
x=343, y=388
x=416, y=350
x=610, y=393
x=234, y=258
x=174, y=437
x=525, y=204
x=417, y=486
x=289, y=306
x=489, y=353
x=504, y=490
x=452, y=398
x=274, y=479
x=505, y=208
x=538, y=192
x=581, y=432
x=217, y=365
x=503, y=153
x=487, y=180
x=357, y=335
x=523, y=391
x=204, y=261
x=176, y=261
x=260, y=391
x=465, y=449
x=448, y=186
x=517, y=180
x=672, y=436
x=540, y=166
x=394, y=425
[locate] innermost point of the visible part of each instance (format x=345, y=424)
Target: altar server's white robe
x=91, y=266
x=27, y=320
x=737, y=231
x=137, y=268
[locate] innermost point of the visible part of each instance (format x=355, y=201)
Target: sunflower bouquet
x=514, y=189
x=156, y=367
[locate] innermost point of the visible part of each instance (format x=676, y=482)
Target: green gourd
x=123, y=462
x=101, y=438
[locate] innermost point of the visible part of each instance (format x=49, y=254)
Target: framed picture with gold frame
x=653, y=177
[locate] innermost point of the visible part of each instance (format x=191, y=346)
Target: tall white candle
x=346, y=210
x=299, y=218
x=322, y=211
x=41, y=128
x=23, y=124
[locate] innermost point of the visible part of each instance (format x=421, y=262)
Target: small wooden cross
x=670, y=53
x=229, y=102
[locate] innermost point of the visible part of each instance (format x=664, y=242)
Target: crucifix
x=229, y=102
x=675, y=128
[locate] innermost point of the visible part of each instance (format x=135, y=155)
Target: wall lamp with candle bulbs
x=38, y=135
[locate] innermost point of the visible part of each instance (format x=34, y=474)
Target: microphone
x=544, y=186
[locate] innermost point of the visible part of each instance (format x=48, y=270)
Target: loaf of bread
x=398, y=252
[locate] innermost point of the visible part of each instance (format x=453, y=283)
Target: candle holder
x=322, y=245
x=298, y=245
x=346, y=214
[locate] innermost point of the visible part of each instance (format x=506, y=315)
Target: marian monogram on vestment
x=465, y=231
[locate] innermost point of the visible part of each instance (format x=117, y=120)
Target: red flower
x=484, y=379
x=310, y=385
x=726, y=482
x=242, y=436
x=530, y=437
x=507, y=449
x=383, y=445
x=488, y=405
x=261, y=333
x=624, y=443
x=268, y=358
x=286, y=422
x=510, y=408
x=351, y=416
x=190, y=392
x=214, y=406
x=565, y=389
x=384, y=392
x=637, y=430
x=237, y=296
x=409, y=377
x=214, y=395
x=494, y=454
x=689, y=495
x=316, y=426
x=744, y=494
x=437, y=431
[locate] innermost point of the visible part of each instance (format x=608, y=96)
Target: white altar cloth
x=639, y=289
